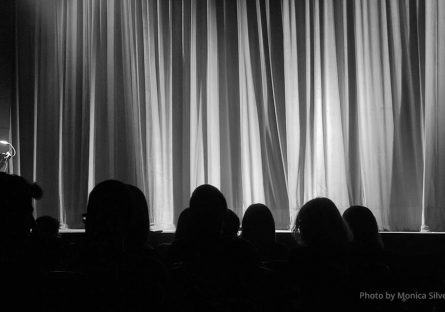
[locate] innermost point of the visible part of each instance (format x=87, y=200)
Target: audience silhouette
x=369, y=263
x=45, y=243
x=115, y=262
x=206, y=267
x=320, y=262
x=213, y=271
x=204, y=242
x=258, y=227
x=367, y=241
x=231, y=224
x=46, y=228
x=183, y=226
x=19, y=269
x=137, y=239
x=182, y=232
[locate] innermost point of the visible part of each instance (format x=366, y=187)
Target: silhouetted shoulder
x=242, y=251
x=223, y=250
x=277, y=251
x=299, y=253
x=127, y=281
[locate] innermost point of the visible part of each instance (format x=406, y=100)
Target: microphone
x=6, y=156
x=7, y=153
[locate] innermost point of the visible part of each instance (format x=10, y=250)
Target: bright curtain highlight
x=275, y=102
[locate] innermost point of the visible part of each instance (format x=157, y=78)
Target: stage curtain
x=273, y=102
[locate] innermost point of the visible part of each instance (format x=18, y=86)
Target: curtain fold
x=275, y=102
x=434, y=99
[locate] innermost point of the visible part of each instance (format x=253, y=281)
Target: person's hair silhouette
x=231, y=224
x=16, y=209
x=363, y=226
x=319, y=224
x=138, y=233
x=183, y=225
x=207, y=209
x=108, y=215
x=258, y=227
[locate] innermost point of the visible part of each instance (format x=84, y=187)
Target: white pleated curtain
x=274, y=102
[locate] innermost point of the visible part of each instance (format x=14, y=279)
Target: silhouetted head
x=47, y=227
x=109, y=214
x=16, y=208
x=319, y=224
x=231, y=224
x=363, y=225
x=258, y=225
x=139, y=231
x=183, y=226
x=207, y=209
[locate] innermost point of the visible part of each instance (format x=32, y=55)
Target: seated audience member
x=181, y=232
x=204, y=241
x=121, y=276
x=183, y=226
x=18, y=269
x=258, y=227
x=136, y=241
x=231, y=224
x=366, y=238
x=319, y=263
x=46, y=242
x=369, y=263
x=214, y=271
x=47, y=228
